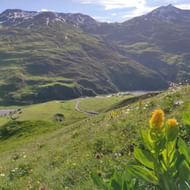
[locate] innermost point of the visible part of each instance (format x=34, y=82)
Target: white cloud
x=138, y=12
x=167, y=1
x=183, y=6
x=101, y=19
x=137, y=7
x=114, y=14
x=115, y=4
x=46, y=10
x=134, y=7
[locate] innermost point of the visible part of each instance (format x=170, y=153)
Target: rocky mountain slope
x=47, y=55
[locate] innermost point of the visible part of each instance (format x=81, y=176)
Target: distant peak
x=15, y=16
x=165, y=11
x=16, y=13
x=7, y=11
x=12, y=10
x=170, y=5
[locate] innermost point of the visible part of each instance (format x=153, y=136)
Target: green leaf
x=184, y=149
x=128, y=180
x=178, y=161
x=143, y=173
x=186, y=118
x=115, y=185
x=146, y=139
x=169, y=154
x=124, y=186
x=144, y=157
x=166, y=182
x=184, y=172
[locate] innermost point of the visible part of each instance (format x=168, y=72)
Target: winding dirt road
x=77, y=108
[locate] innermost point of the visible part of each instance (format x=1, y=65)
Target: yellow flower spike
x=157, y=119
x=172, y=122
x=172, y=129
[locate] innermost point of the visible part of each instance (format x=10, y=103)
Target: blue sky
x=101, y=10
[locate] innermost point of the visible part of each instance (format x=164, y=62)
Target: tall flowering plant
x=163, y=160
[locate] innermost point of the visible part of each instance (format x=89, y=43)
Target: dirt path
x=6, y=112
x=77, y=108
x=138, y=95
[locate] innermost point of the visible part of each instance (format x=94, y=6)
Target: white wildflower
x=2, y=175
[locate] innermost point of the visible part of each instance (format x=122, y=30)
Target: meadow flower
x=2, y=175
x=179, y=102
x=157, y=119
x=172, y=122
x=172, y=129
x=115, y=154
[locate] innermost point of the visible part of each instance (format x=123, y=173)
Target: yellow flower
x=157, y=119
x=172, y=130
x=172, y=122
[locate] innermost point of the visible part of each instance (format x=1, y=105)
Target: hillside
x=158, y=40
x=36, y=151
x=47, y=56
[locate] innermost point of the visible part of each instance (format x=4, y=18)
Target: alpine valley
x=47, y=56
x=76, y=98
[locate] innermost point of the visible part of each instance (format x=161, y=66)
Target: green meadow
x=38, y=152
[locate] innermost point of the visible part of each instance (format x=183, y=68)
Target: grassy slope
x=64, y=158
x=101, y=103
x=42, y=62
x=46, y=111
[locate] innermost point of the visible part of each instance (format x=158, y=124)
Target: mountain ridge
x=64, y=56
x=170, y=8
x=17, y=16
